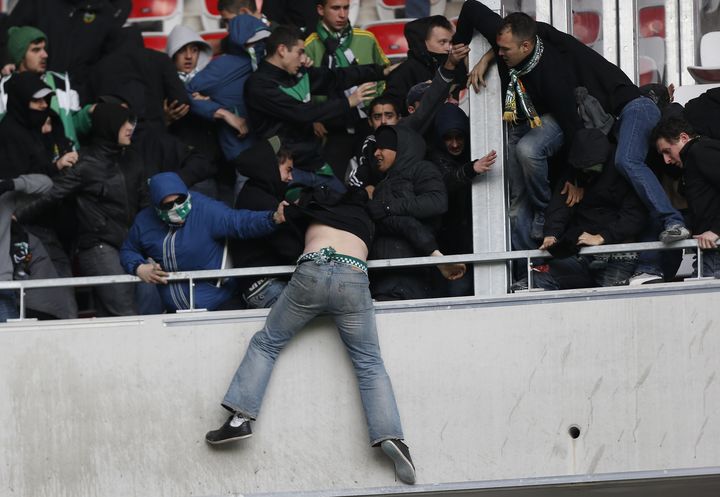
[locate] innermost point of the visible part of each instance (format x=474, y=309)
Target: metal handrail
x=484, y=258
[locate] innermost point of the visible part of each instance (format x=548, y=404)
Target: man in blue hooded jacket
x=186, y=231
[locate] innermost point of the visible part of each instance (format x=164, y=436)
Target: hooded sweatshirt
x=223, y=80
x=420, y=65
x=181, y=36
x=197, y=244
x=413, y=196
x=23, y=147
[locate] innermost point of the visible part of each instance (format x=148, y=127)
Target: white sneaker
x=638, y=279
x=674, y=233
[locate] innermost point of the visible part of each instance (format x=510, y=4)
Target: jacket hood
x=244, y=29
x=589, y=147
x=181, y=36
x=410, y=147
x=20, y=90
x=450, y=117
x=416, y=33
x=163, y=184
x=106, y=122
x=260, y=164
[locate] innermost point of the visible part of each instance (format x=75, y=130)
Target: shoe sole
x=403, y=467
x=227, y=440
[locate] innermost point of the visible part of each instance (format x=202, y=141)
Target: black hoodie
x=264, y=191
x=420, y=65
x=24, y=148
x=107, y=183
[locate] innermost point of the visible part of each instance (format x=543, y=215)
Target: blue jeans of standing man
x=8, y=305
x=637, y=119
x=527, y=170
x=342, y=292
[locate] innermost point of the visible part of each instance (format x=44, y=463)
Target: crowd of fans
x=115, y=158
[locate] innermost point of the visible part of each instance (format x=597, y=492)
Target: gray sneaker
x=400, y=455
x=674, y=233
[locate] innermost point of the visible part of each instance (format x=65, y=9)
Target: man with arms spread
x=331, y=278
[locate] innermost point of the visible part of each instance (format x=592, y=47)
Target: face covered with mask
x=174, y=209
x=29, y=100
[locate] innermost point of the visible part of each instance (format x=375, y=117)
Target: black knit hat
x=590, y=147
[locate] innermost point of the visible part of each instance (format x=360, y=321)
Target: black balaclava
x=20, y=90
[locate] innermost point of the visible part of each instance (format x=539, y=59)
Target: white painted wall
x=120, y=407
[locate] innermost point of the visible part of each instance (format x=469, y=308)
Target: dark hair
x=282, y=35
x=384, y=100
x=235, y=5
x=283, y=154
x=522, y=26
x=670, y=128
x=438, y=22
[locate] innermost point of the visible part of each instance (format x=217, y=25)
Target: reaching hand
x=707, y=240
x=456, y=54
x=590, y=240
x=452, y=272
x=67, y=160
x=174, y=111
x=476, y=78
x=319, y=130
x=279, y=214
x=548, y=242
x=364, y=92
x=7, y=69
x=484, y=164
x=390, y=68
x=575, y=194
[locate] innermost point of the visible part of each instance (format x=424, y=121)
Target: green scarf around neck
x=335, y=45
x=517, y=95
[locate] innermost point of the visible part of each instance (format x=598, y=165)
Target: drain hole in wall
x=574, y=431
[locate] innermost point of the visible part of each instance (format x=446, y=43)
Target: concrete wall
x=488, y=391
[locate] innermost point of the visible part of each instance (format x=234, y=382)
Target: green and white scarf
x=516, y=95
x=300, y=91
x=337, y=46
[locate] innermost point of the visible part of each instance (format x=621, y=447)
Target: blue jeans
x=342, y=292
x=711, y=264
x=527, y=170
x=8, y=305
x=637, y=120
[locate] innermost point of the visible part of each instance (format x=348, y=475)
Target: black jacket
x=701, y=179
x=263, y=191
x=419, y=66
x=610, y=208
x=702, y=113
x=414, y=197
x=550, y=85
x=107, y=183
x=274, y=112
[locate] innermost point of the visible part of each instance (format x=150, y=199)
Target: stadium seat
x=386, y=8
x=586, y=26
x=709, y=69
x=653, y=48
x=651, y=21
x=390, y=36
x=648, y=70
x=168, y=12
x=156, y=41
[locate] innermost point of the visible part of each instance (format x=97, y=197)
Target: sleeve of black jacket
x=410, y=228
x=557, y=214
x=630, y=221
x=64, y=185
x=430, y=198
x=477, y=16
x=324, y=81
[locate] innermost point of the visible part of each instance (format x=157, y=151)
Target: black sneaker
x=400, y=455
x=235, y=428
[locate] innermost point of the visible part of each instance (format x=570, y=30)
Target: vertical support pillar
x=489, y=198
x=688, y=13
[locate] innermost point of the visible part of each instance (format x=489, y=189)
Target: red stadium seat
x=156, y=41
x=652, y=21
x=586, y=26
x=143, y=10
x=390, y=36
x=211, y=7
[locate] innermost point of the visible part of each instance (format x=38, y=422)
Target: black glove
x=6, y=185
x=377, y=209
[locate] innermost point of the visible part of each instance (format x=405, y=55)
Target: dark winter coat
x=701, y=178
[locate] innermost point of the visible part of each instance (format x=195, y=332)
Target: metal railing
x=484, y=258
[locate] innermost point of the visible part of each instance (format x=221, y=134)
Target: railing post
x=22, y=303
x=191, y=286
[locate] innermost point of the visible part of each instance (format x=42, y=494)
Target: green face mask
x=177, y=213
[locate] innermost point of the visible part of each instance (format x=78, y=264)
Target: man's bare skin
x=319, y=236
